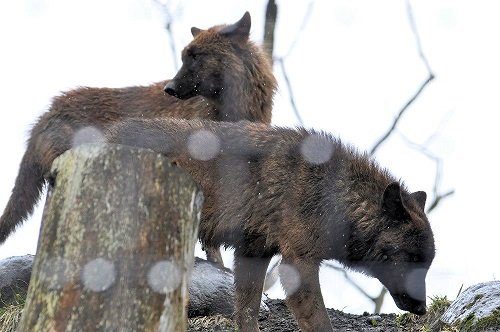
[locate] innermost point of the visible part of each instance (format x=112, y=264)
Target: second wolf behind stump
x=221, y=68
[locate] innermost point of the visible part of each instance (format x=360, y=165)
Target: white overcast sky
x=352, y=68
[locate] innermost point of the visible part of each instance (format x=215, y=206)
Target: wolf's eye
x=385, y=258
x=196, y=56
x=192, y=54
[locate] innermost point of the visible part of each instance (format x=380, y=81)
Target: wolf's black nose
x=170, y=89
x=420, y=309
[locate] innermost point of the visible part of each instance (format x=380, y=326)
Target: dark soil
x=280, y=319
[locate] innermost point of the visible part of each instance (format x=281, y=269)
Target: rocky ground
x=476, y=309
x=279, y=319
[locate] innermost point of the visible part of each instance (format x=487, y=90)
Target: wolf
x=299, y=193
x=221, y=68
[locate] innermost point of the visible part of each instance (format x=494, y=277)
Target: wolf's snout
x=419, y=309
x=170, y=88
x=405, y=302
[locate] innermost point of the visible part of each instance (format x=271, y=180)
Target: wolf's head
x=400, y=250
x=405, y=248
x=210, y=59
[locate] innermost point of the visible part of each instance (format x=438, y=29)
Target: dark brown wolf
x=221, y=68
x=301, y=194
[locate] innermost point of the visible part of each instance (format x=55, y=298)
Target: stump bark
x=116, y=245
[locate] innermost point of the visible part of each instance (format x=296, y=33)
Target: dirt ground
x=280, y=319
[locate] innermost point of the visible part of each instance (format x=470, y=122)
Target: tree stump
x=116, y=245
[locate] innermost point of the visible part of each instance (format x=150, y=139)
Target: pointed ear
x=392, y=204
x=420, y=197
x=195, y=31
x=240, y=29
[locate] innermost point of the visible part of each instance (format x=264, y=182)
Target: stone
x=15, y=273
x=211, y=290
x=476, y=309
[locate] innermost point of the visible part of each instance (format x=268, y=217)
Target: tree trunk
x=116, y=245
x=269, y=27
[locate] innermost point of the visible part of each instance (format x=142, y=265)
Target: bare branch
x=438, y=197
x=378, y=300
x=346, y=276
x=290, y=91
x=413, y=27
x=281, y=62
x=437, y=200
x=168, y=27
x=421, y=88
x=169, y=19
x=401, y=112
x=305, y=21
x=439, y=128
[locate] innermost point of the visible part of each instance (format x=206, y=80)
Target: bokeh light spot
x=316, y=149
x=203, y=145
x=164, y=277
x=98, y=275
x=87, y=135
x=290, y=278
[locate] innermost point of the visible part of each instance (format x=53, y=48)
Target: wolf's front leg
x=301, y=283
x=249, y=274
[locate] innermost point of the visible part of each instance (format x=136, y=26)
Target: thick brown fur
x=230, y=71
x=303, y=195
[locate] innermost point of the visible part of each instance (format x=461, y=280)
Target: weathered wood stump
x=116, y=245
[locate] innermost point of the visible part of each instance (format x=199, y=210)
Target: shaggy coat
x=301, y=194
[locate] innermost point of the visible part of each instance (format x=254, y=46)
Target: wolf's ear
x=240, y=29
x=420, y=197
x=195, y=31
x=392, y=204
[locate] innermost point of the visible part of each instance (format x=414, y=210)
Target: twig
x=438, y=197
x=422, y=86
x=168, y=26
x=281, y=62
x=437, y=200
x=413, y=27
x=305, y=21
x=439, y=128
x=378, y=300
x=290, y=91
x=398, y=117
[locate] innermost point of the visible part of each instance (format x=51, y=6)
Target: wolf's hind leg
x=214, y=255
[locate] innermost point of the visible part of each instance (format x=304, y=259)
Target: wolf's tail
x=26, y=193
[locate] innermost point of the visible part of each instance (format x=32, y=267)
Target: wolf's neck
x=364, y=188
x=248, y=95
x=358, y=190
